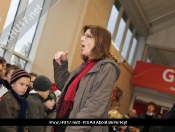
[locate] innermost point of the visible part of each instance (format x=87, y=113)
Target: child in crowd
x=50, y=108
x=30, y=88
x=3, y=89
x=9, y=71
x=125, y=128
x=12, y=105
x=42, y=86
x=113, y=114
x=115, y=105
x=33, y=76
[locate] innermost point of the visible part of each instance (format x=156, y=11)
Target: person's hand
x=61, y=56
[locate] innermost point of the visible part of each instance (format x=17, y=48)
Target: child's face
x=21, y=85
x=9, y=75
x=50, y=103
x=150, y=108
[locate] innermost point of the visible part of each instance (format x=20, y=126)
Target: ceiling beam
x=161, y=17
x=162, y=26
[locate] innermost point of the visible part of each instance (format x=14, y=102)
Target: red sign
x=154, y=76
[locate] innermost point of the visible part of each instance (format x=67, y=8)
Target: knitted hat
x=42, y=83
x=55, y=90
x=17, y=74
x=50, y=96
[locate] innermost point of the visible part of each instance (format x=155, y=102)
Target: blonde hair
x=114, y=114
x=114, y=103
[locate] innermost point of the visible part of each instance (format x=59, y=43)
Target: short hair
x=114, y=114
x=114, y=103
x=102, y=43
x=33, y=74
x=8, y=64
x=10, y=67
x=3, y=60
x=152, y=103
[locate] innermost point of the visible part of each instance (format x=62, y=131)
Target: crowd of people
x=83, y=93
x=26, y=95
x=149, y=113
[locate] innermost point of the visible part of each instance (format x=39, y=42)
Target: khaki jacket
x=92, y=99
x=9, y=109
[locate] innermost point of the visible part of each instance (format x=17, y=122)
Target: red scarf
x=67, y=103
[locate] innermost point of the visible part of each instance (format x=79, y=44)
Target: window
x=148, y=60
x=25, y=32
x=1, y=52
x=24, y=43
x=112, y=19
x=128, y=49
x=18, y=61
x=120, y=33
x=12, y=12
x=127, y=42
x=131, y=55
x=9, y=19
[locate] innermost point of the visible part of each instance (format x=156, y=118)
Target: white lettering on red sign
x=170, y=77
x=173, y=89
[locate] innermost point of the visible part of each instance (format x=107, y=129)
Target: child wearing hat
x=50, y=109
x=42, y=86
x=13, y=105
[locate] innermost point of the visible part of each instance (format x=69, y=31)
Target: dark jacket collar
x=38, y=96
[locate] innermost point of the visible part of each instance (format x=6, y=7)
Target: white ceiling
x=151, y=16
x=158, y=14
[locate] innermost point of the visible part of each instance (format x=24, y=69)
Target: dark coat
x=142, y=116
x=50, y=114
x=6, y=84
x=35, y=110
x=92, y=99
x=111, y=129
x=170, y=115
x=9, y=109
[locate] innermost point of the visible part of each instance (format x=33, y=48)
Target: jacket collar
x=38, y=95
x=97, y=67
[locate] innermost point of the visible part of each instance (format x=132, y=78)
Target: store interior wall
x=62, y=32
